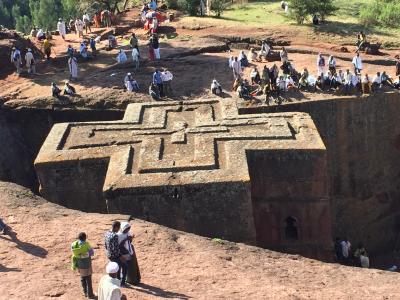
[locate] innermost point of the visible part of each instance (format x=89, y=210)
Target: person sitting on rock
x=154, y=92
x=265, y=79
x=281, y=84
x=33, y=32
x=396, y=84
x=243, y=59
x=386, y=80
x=284, y=55
x=40, y=35
x=252, y=55
x=315, y=20
x=332, y=65
x=255, y=76
x=216, y=88
x=69, y=89
x=264, y=51
x=83, y=50
x=131, y=84
x=376, y=82
x=361, y=40
x=366, y=84
x=303, y=82
x=55, y=90
x=243, y=91
x=121, y=57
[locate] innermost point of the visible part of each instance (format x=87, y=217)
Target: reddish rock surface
x=175, y=265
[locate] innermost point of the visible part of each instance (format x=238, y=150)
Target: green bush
x=381, y=12
x=369, y=14
x=172, y=4
x=218, y=6
x=301, y=10
x=189, y=6
x=298, y=10
x=390, y=14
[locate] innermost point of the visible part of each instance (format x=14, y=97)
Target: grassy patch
x=341, y=27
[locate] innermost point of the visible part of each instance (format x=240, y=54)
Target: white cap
x=112, y=268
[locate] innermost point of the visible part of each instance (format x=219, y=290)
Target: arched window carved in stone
x=291, y=228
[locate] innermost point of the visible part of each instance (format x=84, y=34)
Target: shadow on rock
x=158, y=292
x=4, y=269
x=26, y=247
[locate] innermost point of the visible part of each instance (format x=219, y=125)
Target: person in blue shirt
x=158, y=81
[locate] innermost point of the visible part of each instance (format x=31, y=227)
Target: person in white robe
x=136, y=58
x=61, y=28
x=357, y=63
x=236, y=68
x=79, y=27
x=121, y=57
x=73, y=68
x=109, y=285
x=216, y=88
x=30, y=62
x=131, y=84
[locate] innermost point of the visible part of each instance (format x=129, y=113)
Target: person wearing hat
x=16, y=59
x=81, y=261
x=61, y=28
x=30, y=62
x=109, y=285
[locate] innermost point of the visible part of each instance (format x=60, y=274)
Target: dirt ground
x=100, y=81
x=35, y=261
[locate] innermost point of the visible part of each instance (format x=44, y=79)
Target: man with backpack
x=16, y=59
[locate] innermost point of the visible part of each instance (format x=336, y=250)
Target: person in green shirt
x=81, y=261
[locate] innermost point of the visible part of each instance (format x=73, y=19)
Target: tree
x=218, y=6
x=5, y=16
x=301, y=10
x=189, y=6
x=45, y=13
x=111, y=5
x=22, y=22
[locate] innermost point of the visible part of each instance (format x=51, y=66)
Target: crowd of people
x=122, y=268
x=273, y=82
x=344, y=254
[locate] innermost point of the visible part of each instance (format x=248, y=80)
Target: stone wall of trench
x=23, y=131
x=362, y=136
